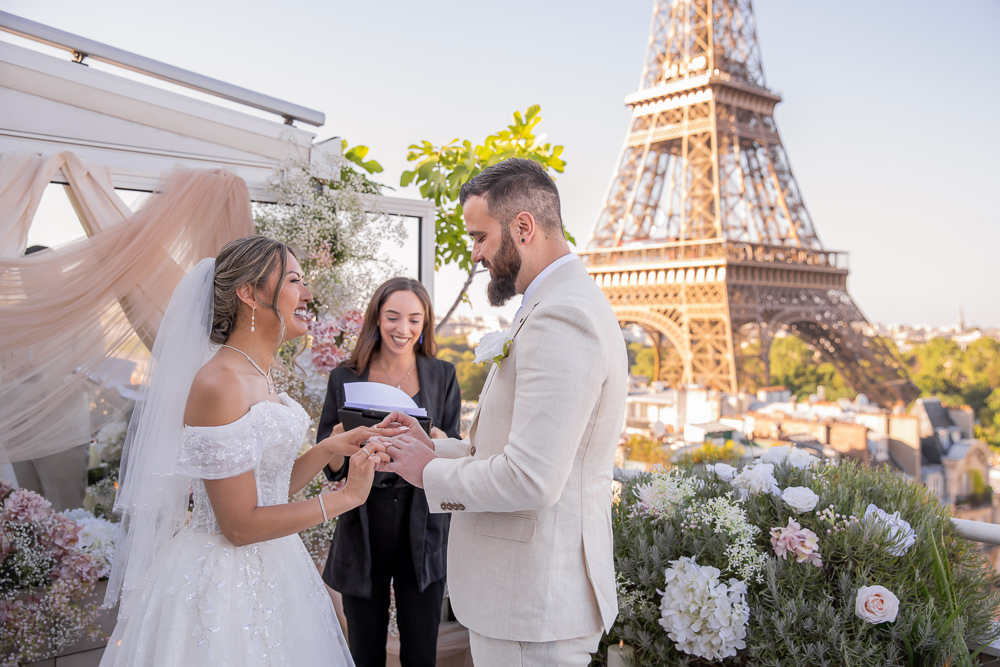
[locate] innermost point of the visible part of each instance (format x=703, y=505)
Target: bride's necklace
x=406, y=376
x=267, y=375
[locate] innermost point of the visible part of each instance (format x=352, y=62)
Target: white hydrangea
x=703, y=616
x=756, y=479
x=664, y=493
x=97, y=538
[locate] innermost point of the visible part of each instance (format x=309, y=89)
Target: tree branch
x=461, y=295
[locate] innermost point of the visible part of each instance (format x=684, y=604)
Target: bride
x=231, y=584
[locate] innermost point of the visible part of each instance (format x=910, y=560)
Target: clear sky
x=889, y=114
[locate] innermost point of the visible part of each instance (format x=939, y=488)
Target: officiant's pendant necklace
x=267, y=375
x=399, y=385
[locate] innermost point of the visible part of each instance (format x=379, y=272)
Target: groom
x=530, y=568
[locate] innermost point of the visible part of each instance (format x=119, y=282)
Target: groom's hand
x=408, y=422
x=409, y=456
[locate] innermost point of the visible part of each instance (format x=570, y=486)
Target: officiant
x=393, y=537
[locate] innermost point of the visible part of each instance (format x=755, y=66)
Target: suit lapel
x=550, y=284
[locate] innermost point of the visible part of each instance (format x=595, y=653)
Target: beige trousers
x=489, y=652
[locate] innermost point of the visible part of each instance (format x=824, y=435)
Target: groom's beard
x=505, y=266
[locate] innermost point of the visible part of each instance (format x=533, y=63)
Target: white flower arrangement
x=901, y=534
x=703, y=616
x=689, y=559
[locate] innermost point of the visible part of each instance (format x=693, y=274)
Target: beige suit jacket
x=530, y=551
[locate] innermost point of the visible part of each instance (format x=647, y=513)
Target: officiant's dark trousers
x=418, y=614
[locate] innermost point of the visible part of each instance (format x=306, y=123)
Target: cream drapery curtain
x=65, y=311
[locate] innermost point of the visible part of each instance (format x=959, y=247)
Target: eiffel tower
x=704, y=239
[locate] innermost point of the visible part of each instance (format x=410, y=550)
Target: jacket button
x=472, y=451
x=461, y=506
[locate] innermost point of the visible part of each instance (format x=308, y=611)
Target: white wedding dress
x=212, y=603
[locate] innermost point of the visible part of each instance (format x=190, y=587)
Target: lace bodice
x=266, y=440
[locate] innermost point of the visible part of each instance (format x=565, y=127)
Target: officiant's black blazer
x=348, y=568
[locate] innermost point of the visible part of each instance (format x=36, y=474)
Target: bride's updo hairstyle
x=250, y=260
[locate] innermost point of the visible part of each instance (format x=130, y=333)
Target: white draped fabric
x=65, y=311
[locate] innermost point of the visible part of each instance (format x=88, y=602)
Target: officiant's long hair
x=369, y=340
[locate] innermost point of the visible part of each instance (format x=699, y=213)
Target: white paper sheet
x=378, y=396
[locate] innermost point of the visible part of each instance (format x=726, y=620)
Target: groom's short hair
x=516, y=185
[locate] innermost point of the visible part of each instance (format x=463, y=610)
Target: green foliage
x=797, y=366
x=802, y=614
x=357, y=155
x=709, y=452
x=441, y=172
x=647, y=450
x=970, y=377
x=989, y=416
x=471, y=376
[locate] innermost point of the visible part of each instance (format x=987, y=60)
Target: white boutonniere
x=494, y=347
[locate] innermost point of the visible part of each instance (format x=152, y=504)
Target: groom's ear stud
x=522, y=240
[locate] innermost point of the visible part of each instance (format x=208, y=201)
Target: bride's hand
x=364, y=463
x=349, y=442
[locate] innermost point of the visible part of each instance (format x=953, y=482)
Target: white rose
x=801, y=459
x=723, y=471
x=491, y=346
x=876, y=604
x=800, y=498
x=776, y=454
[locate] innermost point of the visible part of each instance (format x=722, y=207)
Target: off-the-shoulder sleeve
x=217, y=452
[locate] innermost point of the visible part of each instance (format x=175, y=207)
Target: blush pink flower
x=64, y=535
x=24, y=506
x=798, y=541
x=333, y=339
x=876, y=604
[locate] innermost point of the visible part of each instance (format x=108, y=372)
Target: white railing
x=82, y=48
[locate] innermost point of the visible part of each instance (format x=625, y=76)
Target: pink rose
x=24, y=506
x=801, y=542
x=876, y=604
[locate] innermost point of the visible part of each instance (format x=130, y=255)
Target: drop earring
x=420, y=341
x=253, y=315
x=378, y=334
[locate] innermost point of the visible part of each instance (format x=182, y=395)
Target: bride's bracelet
x=322, y=507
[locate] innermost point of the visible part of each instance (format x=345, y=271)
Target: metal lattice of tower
x=704, y=238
